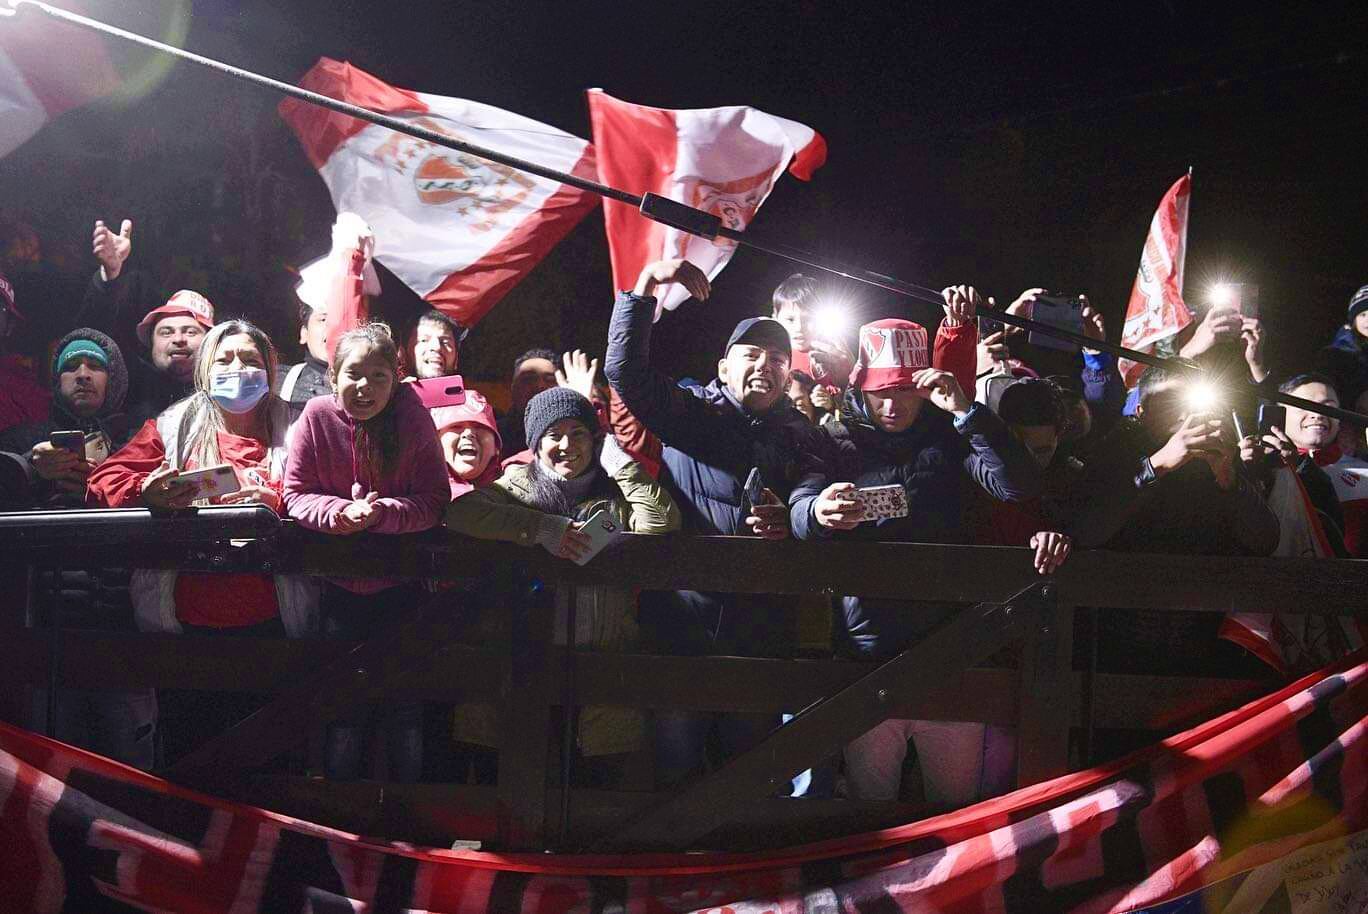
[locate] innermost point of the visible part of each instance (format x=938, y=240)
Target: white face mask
x=238, y=391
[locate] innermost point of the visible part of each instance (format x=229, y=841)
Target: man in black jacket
x=169, y=334
x=1169, y=481
x=907, y=424
x=89, y=384
x=713, y=437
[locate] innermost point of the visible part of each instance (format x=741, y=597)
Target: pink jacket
x=325, y=468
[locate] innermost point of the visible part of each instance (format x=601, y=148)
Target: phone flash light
x=830, y=323
x=1203, y=397
x=1220, y=294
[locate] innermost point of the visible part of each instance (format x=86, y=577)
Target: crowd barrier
x=427, y=654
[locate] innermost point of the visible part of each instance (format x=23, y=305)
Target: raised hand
x=578, y=373
x=992, y=351
x=1221, y=325
x=1251, y=332
x=961, y=304
x=1094, y=327
x=1024, y=306
x=111, y=249
x=1198, y=435
x=664, y=272
x=942, y=390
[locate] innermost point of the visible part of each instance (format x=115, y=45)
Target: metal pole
x=868, y=277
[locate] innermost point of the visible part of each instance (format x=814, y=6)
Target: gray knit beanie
x=550, y=406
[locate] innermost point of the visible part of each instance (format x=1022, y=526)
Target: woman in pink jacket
x=367, y=458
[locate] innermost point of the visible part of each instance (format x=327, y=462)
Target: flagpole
x=651, y=206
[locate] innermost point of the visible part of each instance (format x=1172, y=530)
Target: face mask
x=238, y=392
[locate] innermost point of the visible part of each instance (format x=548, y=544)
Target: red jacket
x=214, y=600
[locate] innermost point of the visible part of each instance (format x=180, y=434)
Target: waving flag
x=458, y=230
x=1157, y=310
x=1263, y=809
x=46, y=67
x=722, y=160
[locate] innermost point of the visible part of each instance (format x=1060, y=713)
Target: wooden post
x=1046, y=693
x=525, y=717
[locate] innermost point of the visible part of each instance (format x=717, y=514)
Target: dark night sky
x=998, y=144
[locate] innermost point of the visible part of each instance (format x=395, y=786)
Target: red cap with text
x=183, y=303
x=892, y=351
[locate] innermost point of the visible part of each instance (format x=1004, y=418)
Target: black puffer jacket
x=929, y=460
x=91, y=598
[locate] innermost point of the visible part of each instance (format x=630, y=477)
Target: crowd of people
x=963, y=436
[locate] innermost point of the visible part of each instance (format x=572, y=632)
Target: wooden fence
x=427, y=654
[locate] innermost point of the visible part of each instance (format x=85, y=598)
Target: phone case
x=444, y=391
x=212, y=482
x=880, y=502
x=602, y=531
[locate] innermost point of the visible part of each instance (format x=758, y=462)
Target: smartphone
x=1066, y=313
x=1271, y=414
x=211, y=482
x=880, y=502
x=753, y=493
x=1244, y=297
x=987, y=326
x=72, y=441
x=602, y=531
x=448, y=390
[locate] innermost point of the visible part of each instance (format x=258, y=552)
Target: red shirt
x=214, y=600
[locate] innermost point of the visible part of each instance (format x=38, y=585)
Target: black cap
x=761, y=331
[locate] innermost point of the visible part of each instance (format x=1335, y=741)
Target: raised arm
x=673, y=415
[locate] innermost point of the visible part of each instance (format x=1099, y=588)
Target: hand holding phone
x=602, y=530
x=211, y=482
x=1063, y=312
x=882, y=502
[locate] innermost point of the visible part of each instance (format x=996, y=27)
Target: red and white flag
x=46, y=67
x=721, y=160
x=458, y=230
x=1295, y=644
x=1156, y=310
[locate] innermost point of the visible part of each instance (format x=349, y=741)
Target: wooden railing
x=427, y=654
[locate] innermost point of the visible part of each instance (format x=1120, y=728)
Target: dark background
x=1004, y=145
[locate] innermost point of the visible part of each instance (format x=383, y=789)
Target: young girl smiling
x=367, y=458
